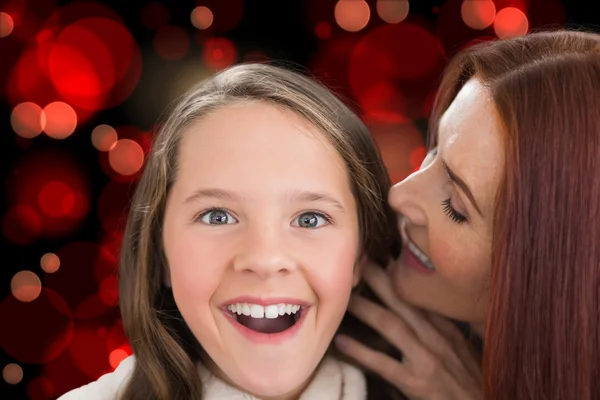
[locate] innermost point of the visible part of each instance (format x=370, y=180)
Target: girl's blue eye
x=217, y=216
x=311, y=220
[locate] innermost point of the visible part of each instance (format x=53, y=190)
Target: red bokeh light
x=40, y=388
x=352, y=15
x=116, y=356
x=22, y=225
x=219, y=53
x=126, y=157
x=25, y=286
x=510, y=22
x=397, y=143
x=27, y=81
x=417, y=155
x=28, y=120
x=12, y=373
x=50, y=263
x=383, y=102
x=202, y=17
x=35, y=332
x=104, y=137
x=61, y=120
x=56, y=199
x=88, y=350
x=109, y=291
x=78, y=262
x=35, y=170
x=323, y=30
x=402, y=72
x=331, y=61
x=6, y=24
x=171, y=42
x=393, y=11
x=87, y=55
x=478, y=14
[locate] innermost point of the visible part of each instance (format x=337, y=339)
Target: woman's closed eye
x=216, y=216
x=311, y=220
x=451, y=212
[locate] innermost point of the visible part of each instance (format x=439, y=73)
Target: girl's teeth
x=257, y=311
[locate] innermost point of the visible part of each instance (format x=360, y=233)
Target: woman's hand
x=438, y=363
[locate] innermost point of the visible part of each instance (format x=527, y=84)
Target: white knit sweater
x=334, y=380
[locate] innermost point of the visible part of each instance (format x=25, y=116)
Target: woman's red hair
x=542, y=336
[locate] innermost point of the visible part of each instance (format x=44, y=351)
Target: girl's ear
x=358, y=269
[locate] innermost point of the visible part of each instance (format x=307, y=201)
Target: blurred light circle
x=36, y=332
x=352, y=15
x=109, y=291
x=56, y=199
x=28, y=82
x=12, y=373
x=61, y=120
x=37, y=168
x=26, y=286
x=417, y=155
x=219, y=53
x=510, y=22
x=397, y=142
x=202, y=17
x=171, y=42
x=323, y=30
x=28, y=120
x=6, y=24
x=116, y=356
x=40, y=388
x=104, y=137
x=478, y=14
x=393, y=11
x=91, y=58
x=81, y=67
x=126, y=157
x=50, y=263
x=22, y=225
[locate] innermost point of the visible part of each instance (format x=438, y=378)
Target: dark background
x=63, y=196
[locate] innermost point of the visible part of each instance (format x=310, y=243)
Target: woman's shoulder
x=107, y=387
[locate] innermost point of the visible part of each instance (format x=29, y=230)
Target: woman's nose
x=408, y=197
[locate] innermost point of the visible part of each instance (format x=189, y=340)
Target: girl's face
x=261, y=236
x=446, y=212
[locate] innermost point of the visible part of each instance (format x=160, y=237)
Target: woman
x=501, y=227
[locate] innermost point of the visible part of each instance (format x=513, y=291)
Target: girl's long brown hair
x=166, y=351
x=542, y=336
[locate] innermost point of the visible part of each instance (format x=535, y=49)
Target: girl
x=261, y=192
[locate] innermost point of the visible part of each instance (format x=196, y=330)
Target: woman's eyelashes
x=307, y=219
x=451, y=212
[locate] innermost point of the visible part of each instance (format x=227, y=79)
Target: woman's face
x=446, y=212
x=261, y=236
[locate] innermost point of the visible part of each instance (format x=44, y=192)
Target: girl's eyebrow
x=296, y=196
